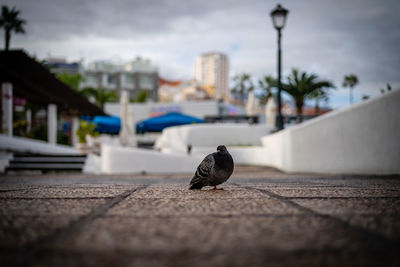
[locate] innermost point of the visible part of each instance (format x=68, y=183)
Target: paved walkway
x=262, y=218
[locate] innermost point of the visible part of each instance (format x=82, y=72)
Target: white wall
x=118, y=160
x=361, y=139
x=176, y=139
x=27, y=145
x=134, y=160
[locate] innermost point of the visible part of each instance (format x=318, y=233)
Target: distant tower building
x=212, y=70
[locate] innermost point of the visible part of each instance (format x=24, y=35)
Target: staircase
x=46, y=163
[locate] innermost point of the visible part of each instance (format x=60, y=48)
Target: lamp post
x=279, y=18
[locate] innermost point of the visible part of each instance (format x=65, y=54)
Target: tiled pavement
x=262, y=218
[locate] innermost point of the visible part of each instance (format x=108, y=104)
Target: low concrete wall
x=361, y=139
x=27, y=145
x=134, y=160
x=118, y=160
x=252, y=155
x=176, y=139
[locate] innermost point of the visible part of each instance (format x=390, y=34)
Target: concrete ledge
x=136, y=160
x=21, y=144
x=176, y=139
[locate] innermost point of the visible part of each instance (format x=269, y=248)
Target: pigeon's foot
x=215, y=188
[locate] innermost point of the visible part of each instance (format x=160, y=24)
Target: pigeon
x=215, y=169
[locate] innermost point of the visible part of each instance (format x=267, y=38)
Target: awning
x=31, y=80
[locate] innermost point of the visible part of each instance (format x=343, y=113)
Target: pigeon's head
x=221, y=149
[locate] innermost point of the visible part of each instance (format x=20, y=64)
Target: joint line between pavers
x=19, y=189
x=343, y=198
x=376, y=239
x=28, y=251
x=55, y=198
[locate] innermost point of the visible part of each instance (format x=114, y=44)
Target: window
x=146, y=82
x=111, y=79
x=129, y=81
x=91, y=80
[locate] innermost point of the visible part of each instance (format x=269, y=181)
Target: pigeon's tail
x=197, y=185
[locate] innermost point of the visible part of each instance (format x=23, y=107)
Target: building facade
x=212, y=70
x=135, y=76
x=60, y=65
x=181, y=91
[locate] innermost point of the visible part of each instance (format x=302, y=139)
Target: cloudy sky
x=330, y=38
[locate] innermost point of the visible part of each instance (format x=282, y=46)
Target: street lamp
x=279, y=18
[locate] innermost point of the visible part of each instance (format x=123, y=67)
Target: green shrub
x=85, y=128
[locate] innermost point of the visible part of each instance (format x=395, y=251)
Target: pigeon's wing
x=203, y=170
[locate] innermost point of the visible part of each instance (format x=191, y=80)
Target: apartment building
x=134, y=76
x=212, y=70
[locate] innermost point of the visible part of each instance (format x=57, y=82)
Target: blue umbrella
x=157, y=124
x=107, y=124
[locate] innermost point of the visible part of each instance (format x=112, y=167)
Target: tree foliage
x=10, y=21
x=242, y=85
x=142, y=96
x=100, y=95
x=72, y=80
x=266, y=84
x=301, y=85
x=318, y=95
x=388, y=88
x=85, y=128
x=350, y=81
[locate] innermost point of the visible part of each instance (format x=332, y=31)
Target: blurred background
x=213, y=61
x=329, y=38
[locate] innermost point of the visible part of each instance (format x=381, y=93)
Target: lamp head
x=279, y=15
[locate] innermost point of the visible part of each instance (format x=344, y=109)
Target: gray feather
x=203, y=170
x=215, y=169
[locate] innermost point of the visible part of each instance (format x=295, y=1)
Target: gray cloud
x=331, y=38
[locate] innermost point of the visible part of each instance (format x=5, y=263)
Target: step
x=46, y=162
x=45, y=166
x=49, y=155
x=47, y=159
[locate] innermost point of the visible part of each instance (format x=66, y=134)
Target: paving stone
x=208, y=234
x=17, y=231
x=333, y=192
x=48, y=206
x=65, y=192
x=63, y=220
x=168, y=191
x=222, y=258
x=386, y=225
x=369, y=206
x=383, y=182
x=218, y=206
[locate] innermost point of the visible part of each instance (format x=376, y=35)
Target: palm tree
x=100, y=95
x=10, y=21
x=350, y=80
x=318, y=95
x=243, y=84
x=72, y=80
x=388, y=88
x=267, y=83
x=302, y=85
